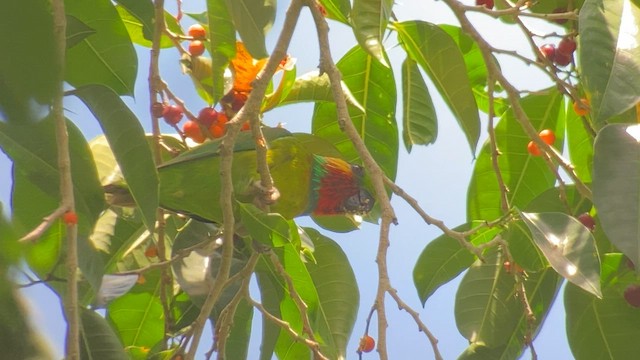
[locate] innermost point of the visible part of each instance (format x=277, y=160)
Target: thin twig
x=225, y=320
x=67, y=200
x=495, y=152
x=514, y=96
x=285, y=326
x=297, y=299
x=421, y=325
x=371, y=166
x=46, y=223
x=155, y=86
x=250, y=110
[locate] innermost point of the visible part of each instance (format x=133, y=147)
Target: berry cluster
x=561, y=55
x=199, y=34
x=209, y=123
x=547, y=136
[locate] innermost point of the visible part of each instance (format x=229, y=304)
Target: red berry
x=157, y=109
x=587, y=220
x=70, y=218
x=563, y=59
x=172, y=114
x=487, y=3
x=566, y=46
x=547, y=136
x=533, y=149
x=197, y=31
x=632, y=295
x=192, y=130
x=208, y=116
x=151, y=251
x=141, y=279
x=367, y=343
x=548, y=51
x=581, y=108
x=196, y=48
x=216, y=130
x=246, y=126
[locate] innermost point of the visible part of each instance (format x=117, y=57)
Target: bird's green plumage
x=190, y=183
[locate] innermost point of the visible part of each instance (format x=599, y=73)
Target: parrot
x=311, y=177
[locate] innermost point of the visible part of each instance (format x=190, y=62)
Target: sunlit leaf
x=222, y=37
x=370, y=18
x=337, y=293
x=106, y=57
x=524, y=175
x=135, y=28
x=252, y=20
x=580, y=145
x=373, y=86
x=569, y=247
x=604, y=328
x=442, y=260
x=337, y=9
x=616, y=186
x=138, y=329
x=439, y=56
x=488, y=312
x=129, y=145
x=609, y=56
x=315, y=87
x=143, y=11
x=419, y=120
x=98, y=340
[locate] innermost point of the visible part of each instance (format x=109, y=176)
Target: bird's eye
x=357, y=170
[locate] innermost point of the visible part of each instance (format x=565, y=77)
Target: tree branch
x=249, y=111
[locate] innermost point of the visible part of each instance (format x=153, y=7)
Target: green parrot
x=310, y=175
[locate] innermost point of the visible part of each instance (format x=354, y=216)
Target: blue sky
x=437, y=176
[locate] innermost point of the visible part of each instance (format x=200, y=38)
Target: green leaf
x=442, y=260
x=237, y=345
x=271, y=294
x=252, y=20
x=373, y=86
x=569, y=247
x=523, y=249
x=440, y=57
x=33, y=149
x=98, y=341
x=138, y=318
x=337, y=292
x=135, y=28
x=285, y=86
x=606, y=328
x=106, y=57
x=337, y=10
x=222, y=37
x=315, y=87
x=270, y=229
x=524, y=175
x=129, y=145
x=419, y=120
x=143, y=11
x=616, y=186
x=487, y=311
x=29, y=73
x=610, y=56
x=306, y=289
x=370, y=19
x=580, y=145
x=76, y=31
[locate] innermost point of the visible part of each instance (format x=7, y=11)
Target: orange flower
x=244, y=68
